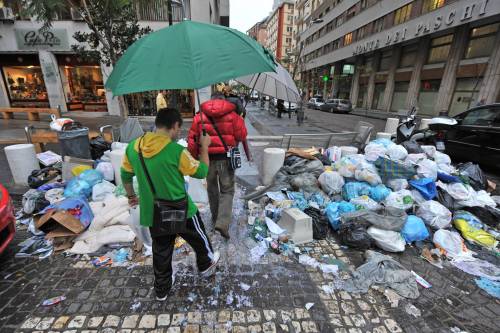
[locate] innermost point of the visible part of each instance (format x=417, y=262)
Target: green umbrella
x=187, y=55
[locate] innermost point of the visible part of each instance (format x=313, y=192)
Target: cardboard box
x=59, y=224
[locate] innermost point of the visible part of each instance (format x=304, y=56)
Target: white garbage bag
x=90, y=241
x=367, y=172
x=413, y=159
x=478, y=199
x=106, y=168
x=366, y=202
x=334, y=153
x=401, y=199
x=397, y=184
x=427, y=169
x=447, y=168
x=57, y=123
x=331, y=182
x=457, y=191
x=101, y=190
x=441, y=158
x=451, y=242
x=417, y=197
x=434, y=214
x=197, y=190
x=142, y=233
x=387, y=240
x=373, y=151
x=397, y=152
x=429, y=150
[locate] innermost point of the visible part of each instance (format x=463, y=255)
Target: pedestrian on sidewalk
x=226, y=129
x=281, y=107
x=160, y=164
x=161, y=102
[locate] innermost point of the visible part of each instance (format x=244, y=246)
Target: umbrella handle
x=203, y=130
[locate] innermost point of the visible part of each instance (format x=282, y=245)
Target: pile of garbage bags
x=387, y=197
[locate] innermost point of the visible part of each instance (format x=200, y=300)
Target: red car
x=7, y=220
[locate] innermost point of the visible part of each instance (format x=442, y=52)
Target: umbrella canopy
x=277, y=84
x=187, y=55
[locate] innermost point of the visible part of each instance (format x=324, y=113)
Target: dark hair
x=167, y=117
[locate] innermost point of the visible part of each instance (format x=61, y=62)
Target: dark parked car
x=337, y=105
x=7, y=220
x=475, y=138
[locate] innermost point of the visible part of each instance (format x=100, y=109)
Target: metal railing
x=156, y=10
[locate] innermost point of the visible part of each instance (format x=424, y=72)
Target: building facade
x=39, y=69
x=259, y=32
x=279, y=33
x=442, y=56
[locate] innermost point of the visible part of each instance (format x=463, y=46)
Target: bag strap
x=148, y=177
x=218, y=133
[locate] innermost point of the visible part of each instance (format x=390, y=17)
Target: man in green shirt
x=167, y=163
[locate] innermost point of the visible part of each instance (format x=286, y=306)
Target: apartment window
x=348, y=39
x=440, y=49
x=402, y=14
x=290, y=17
x=351, y=12
x=340, y=20
x=430, y=5
x=329, y=27
x=289, y=29
x=481, y=41
x=378, y=25
x=362, y=32
x=408, y=56
x=288, y=40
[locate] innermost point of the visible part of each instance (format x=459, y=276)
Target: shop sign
x=435, y=23
x=34, y=39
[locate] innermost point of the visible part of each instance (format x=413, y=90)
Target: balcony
x=156, y=10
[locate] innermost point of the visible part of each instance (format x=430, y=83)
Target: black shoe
x=223, y=233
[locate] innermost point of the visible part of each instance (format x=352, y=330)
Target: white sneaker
x=211, y=270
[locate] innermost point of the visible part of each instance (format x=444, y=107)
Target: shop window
x=482, y=41
x=399, y=96
x=428, y=95
x=430, y=5
x=440, y=49
x=84, y=87
x=402, y=14
x=385, y=61
x=26, y=86
x=465, y=95
x=348, y=39
x=408, y=56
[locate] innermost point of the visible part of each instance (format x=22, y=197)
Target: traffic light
x=325, y=78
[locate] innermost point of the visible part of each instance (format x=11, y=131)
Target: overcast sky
x=245, y=13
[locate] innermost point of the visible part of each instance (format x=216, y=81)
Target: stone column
x=371, y=80
x=336, y=79
x=4, y=95
x=490, y=86
x=389, y=84
x=447, y=87
x=414, y=87
x=112, y=102
x=52, y=80
x=355, y=82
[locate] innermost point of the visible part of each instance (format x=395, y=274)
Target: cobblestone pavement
x=267, y=296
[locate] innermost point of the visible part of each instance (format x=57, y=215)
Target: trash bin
x=74, y=141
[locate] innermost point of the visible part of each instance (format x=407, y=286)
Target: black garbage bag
x=34, y=201
x=354, y=234
x=320, y=223
x=445, y=199
x=412, y=147
x=476, y=177
x=488, y=215
x=40, y=177
x=387, y=218
x=98, y=146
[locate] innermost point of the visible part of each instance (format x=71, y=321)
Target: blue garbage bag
x=383, y=141
x=299, y=200
x=77, y=188
x=353, y=190
x=414, y=229
x=78, y=207
x=318, y=198
x=426, y=187
x=91, y=176
x=334, y=210
x=447, y=178
x=379, y=192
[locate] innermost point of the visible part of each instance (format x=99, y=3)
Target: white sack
x=434, y=214
x=387, y=240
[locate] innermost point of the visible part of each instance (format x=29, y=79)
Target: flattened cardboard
x=59, y=224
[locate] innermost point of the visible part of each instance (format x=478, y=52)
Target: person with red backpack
x=227, y=129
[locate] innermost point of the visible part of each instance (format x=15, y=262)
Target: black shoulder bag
x=233, y=153
x=169, y=216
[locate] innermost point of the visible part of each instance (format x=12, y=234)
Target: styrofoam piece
x=348, y=150
x=384, y=135
x=116, y=161
x=298, y=225
x=391, y=125
x=22, y=161
x=272, y=161
x=424, y=124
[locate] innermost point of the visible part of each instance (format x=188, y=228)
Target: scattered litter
x=192, y=297
x=102, y=261
x=309, y=306
x=432, y=256
x=412, y=310
x=392, y=297
x=449, y=301
x=491, y=287
x=135, y=306
x=244, y=286
x=8, y=275
x=53, y=300
x=327, y=289
x=421, y=281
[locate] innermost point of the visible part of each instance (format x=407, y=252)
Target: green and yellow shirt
x=167, y=163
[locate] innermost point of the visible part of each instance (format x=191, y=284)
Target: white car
x=290, y=106
x=315, y=103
